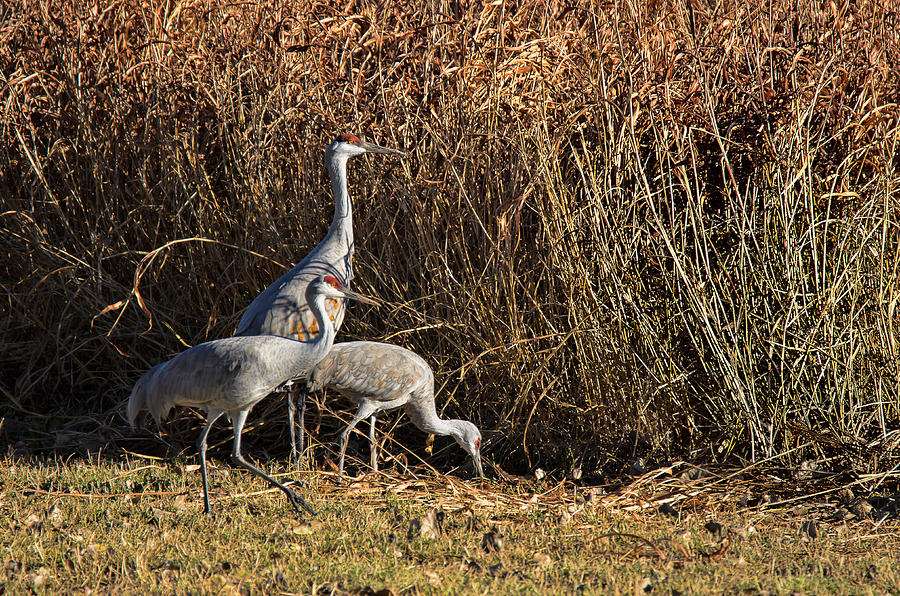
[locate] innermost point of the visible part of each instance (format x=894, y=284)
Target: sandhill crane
x=229, y=376
x=282, y=309
x=379, y=376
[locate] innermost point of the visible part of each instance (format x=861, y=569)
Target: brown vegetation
x=663, y=225
x=136, y=526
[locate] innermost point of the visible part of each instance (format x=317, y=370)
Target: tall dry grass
x=621, y=228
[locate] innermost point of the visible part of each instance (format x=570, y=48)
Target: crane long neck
x=295, y=358
x=337, y=171
x=423, y=415
x=325, y=339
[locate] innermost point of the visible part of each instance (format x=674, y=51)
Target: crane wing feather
x=229, y=373
x=281, y=308
x=377, y=371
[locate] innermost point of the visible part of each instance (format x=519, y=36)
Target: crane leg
x=295, y=393
x=373, y=447
x=301, y=395
x=365, y=410
x=296, y=500
x=292, y=411
x=201, y=446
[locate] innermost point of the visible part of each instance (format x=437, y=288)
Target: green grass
x=136, y=526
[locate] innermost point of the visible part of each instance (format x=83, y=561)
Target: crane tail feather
x=136, y=403
x=141, y=398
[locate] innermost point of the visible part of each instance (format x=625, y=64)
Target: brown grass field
x=136, y=526
x=630, y=238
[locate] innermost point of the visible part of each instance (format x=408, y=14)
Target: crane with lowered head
x=380, y=376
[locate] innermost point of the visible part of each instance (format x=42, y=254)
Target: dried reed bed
x=622, y=228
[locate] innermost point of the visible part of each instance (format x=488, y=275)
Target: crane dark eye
x=477, y=443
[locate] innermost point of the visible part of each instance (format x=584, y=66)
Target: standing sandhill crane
x=378, y=377
x=282, y=309
x=229, y=376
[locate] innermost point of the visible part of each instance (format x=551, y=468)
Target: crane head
x=330, y=287
x=469, y=438
x=348, y=145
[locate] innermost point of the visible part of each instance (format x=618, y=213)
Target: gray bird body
x=378, y=377
x=376, y=371
x=231, y=375
x=282, y=308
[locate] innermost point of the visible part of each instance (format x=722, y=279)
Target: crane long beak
x=360, y=298
x=477, y=459
x=373, y=148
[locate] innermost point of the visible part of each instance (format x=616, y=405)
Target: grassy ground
x=135, y=525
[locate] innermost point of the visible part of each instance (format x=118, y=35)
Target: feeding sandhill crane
x=229, y=376
x=378, y=377
x=282, y=309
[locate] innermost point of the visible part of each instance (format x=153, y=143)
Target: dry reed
x=622, y=228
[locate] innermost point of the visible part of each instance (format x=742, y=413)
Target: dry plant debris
x=147, y=543
x=618, y=224
x=428, y=526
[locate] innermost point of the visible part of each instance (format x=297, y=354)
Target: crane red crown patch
x=333, y=282
x=348, y=138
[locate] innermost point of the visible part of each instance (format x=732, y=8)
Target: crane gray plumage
x=282, y=309
x=229, y=376
x=379, y=376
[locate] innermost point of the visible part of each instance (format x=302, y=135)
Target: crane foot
x=297, y=501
